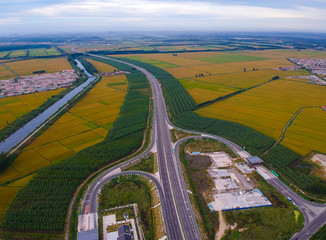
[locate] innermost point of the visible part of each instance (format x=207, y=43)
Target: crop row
x=176, y=96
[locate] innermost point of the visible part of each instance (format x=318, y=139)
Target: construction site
x=231, y=188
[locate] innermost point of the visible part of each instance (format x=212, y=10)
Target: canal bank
x=22, y=133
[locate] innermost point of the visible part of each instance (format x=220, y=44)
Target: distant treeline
x=110, y=52
x=21, y=47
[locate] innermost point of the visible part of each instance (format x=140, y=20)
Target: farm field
x=269, y=107
x=86, y=124
x=52, y=51
x=27, y=67
x=4, y=53
x=102, y=67
x=37, y=52
x=14, y=107
x=5, y=73
x=7, y=193
x=266, y=108
x=307, y=132
x=215, y=70
x=17, y=53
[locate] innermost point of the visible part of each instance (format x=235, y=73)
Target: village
x=37, y=83
x=316, y=66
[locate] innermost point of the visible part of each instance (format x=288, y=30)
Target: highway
x=174, y=199
x=178, y=215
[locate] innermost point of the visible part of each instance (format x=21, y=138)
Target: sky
x=61, y=16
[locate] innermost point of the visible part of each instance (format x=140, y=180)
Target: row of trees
x=177, y=98
x=43, y=203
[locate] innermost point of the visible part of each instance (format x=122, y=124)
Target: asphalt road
x=178, y=215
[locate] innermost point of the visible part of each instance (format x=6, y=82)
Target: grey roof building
x=254, y=160
x=124, y=233
x=88, y=235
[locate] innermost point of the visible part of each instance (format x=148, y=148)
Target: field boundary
x=207, y=103
x=287, y=125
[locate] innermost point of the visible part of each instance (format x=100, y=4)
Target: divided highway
x=179, y=218
x=178, y=215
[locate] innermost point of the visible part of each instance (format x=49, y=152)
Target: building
x=124, y=233
x=88, y=235
x=254, y=160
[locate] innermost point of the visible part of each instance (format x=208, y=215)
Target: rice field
x=14, y=107
x=102, y=67
x=4, y=53
x=85, y=124
x=35, y=52
x=269, y=107
x=221, y=69
x=5, y=73
x=52, y=51
x=17, y=53
x=27, y=67
x=7, y=194
x=266, y=108
x=246, y=79
x=307, y=132
x=202, y=92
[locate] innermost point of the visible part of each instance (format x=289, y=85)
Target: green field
x=52, y=51
x=17, y=53
x=231, y=58
x=36, y=52
x=120, y=194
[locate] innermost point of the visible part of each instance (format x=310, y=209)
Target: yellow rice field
x=246, y=79
x=269, y=107
x=266, y=108
x=86, y=124
x=27, y=67
x=14, y=107
x=7, y=194
x=307, y=132
x=227, y=69
x=102, y=67
x=5, y=73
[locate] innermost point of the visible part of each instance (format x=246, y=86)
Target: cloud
x=5, y=21
x=173, y=15
x=145, y=8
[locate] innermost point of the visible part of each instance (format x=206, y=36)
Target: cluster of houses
x=313, y=79
x=315, y=65
x=37, y=83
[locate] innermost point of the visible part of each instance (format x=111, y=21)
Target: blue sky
x=36, y=16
